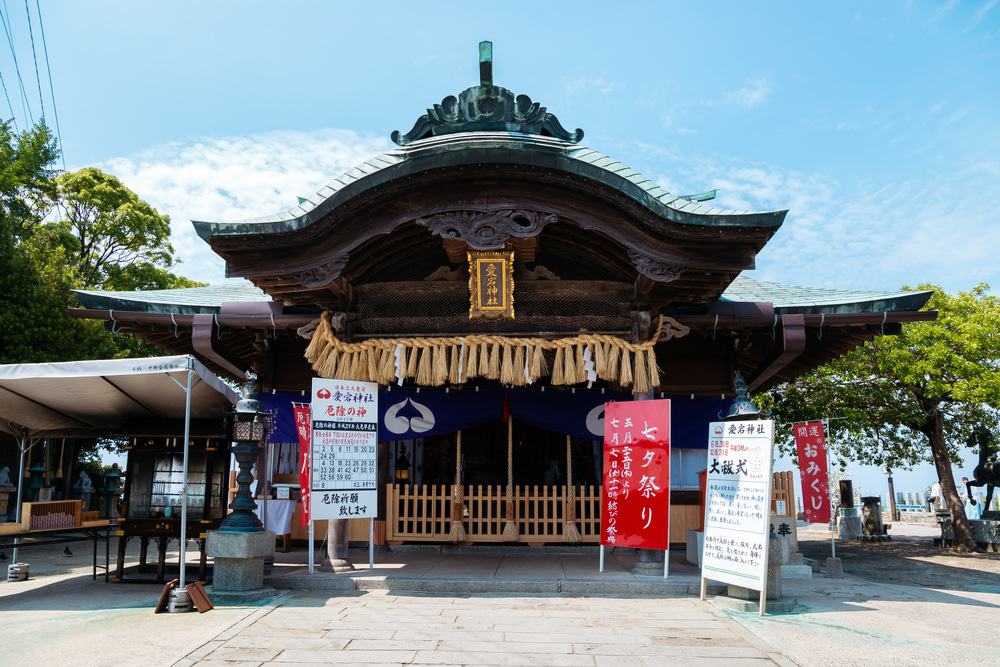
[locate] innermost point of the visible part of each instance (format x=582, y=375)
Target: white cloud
x=850, y=235
x=865, y=235
x=753, y=94
x=233, y=178
x=584, y=83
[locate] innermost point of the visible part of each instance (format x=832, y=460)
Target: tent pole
x=184, y=485
x=20, y=489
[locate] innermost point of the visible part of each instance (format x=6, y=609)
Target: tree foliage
x=917, y=396
x=107, y=227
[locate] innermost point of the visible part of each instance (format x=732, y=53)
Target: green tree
x=898, y=399
x=26, y=177
x=106, y=227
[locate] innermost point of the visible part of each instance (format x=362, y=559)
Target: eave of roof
x=785, y=298
x=470, y=148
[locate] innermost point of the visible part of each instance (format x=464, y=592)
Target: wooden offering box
x=51, y=514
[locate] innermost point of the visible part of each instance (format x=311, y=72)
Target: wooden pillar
x=337, y=529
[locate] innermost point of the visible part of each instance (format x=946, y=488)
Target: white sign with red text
x=344, y=458
x=738, y=503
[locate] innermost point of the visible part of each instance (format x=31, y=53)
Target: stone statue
x=86, y=488
x=83, y=483
x=987, y=473
x=5, y=476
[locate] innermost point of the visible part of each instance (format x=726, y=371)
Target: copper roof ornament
x=486, y=108
x=742, y=408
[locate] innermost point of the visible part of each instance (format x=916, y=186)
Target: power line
x=13, y=116
x=13, y=52
x=34, y=56
x=52, y=90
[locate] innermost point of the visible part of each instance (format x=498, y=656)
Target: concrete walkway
x=383, y=629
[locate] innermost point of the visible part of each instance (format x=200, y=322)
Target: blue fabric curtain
x=407, y=413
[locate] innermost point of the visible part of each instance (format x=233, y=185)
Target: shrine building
x=501, y=281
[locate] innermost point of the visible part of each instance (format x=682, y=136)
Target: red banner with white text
x=810, y=440
x=635, y=502
x=303, y=422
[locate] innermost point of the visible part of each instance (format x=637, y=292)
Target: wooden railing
x=783, y=488
x=422, y=513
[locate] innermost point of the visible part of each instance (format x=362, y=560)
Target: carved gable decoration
x=655, y=269
x=491, y=284
x=487, y=230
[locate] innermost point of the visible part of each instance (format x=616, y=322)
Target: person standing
x=935, y=499
x=973, y=506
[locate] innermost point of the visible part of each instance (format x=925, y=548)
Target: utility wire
x=52, y=90
x=34, y=56
x=13, y=52
x=13, y=116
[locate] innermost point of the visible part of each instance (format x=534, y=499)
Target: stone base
x=796, y=559
x=653, y=567
x=239, y=559
x=695, y=544
x=796, y=572
x=849, y=527
x=834, y=568
x=773, y=587
x=775, y=606
x=241, y=597
x=339, y=565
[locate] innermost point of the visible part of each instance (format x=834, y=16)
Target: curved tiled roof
x=468, y=148
x=786, y=298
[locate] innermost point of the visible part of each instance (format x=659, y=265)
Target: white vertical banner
x=344, y=460
x=738, y=503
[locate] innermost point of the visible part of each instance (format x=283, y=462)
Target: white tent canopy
x=99, y=397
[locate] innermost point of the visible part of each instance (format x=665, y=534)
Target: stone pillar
x=337, y=545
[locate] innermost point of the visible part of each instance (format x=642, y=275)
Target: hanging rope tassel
x=571, y=533
x=457, y=503
x=509, y=526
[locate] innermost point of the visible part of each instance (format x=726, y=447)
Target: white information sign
x=738, y=503
x=344, y=449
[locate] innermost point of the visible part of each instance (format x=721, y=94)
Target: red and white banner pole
x=833, y=515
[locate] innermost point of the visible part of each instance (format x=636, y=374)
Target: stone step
x=676, y=587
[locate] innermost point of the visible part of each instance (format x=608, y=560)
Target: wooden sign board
x=491, y=284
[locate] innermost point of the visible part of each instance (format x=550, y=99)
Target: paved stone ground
x=910, y=558
x=377, y=628
x=904, y=602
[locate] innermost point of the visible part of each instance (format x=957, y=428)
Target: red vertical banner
x=635, y=496
x=810, y=441
x=303, y=422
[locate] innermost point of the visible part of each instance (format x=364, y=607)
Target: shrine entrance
x=556, y=485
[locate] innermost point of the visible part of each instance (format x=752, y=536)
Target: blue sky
x=874, y=123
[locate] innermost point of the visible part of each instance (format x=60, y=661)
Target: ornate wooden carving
x=487, y=230
x=654, y=269
x=323, y=274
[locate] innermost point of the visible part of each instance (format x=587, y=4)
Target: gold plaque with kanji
x=491, y=284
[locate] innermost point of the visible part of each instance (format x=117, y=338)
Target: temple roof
x=473, y=148
x=785, y=298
